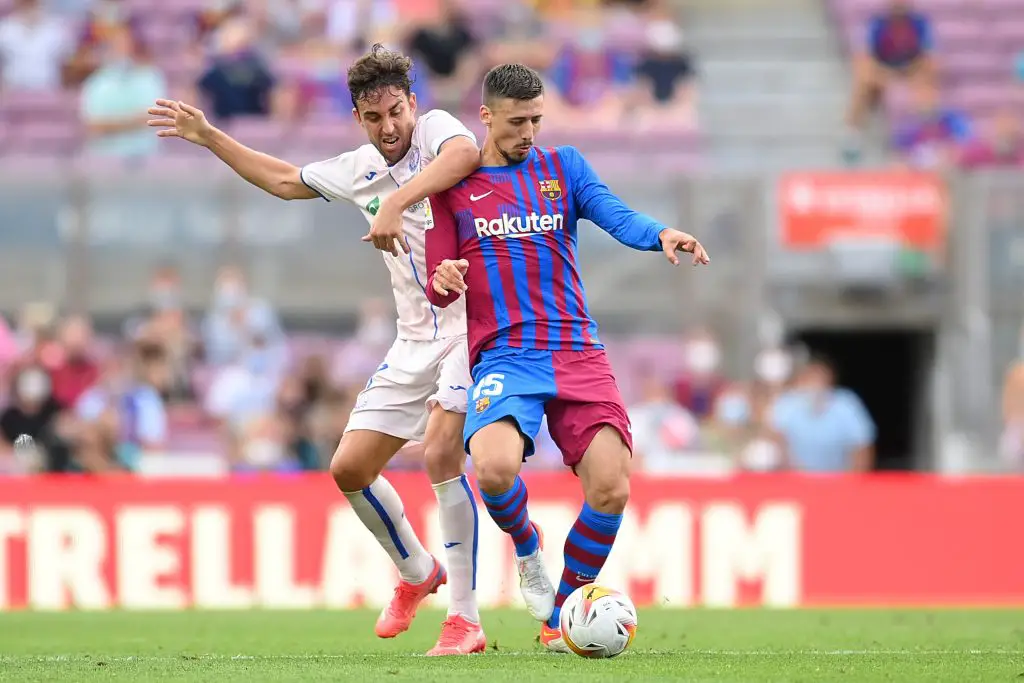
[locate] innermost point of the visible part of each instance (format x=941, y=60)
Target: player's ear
x=412, y=102
x=356, y=116
x=485, y=115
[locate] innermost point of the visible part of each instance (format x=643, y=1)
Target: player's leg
x=594, y=437
x=461, y=632
x=445, y=460
x=387, y=414
x=505, y=411
x=356, y=468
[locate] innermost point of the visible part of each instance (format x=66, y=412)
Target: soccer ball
x=598, y=622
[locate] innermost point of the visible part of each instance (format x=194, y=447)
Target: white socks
x=380, y=509
x=459, y=524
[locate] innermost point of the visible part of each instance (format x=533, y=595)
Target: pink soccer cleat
x=551, y=639
x=398, y=615
x=459, y=636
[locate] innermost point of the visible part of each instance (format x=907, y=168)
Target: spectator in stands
x=448, y=50
x=522, y=36
x=665, y=73
x=10, y=350
x=327, y=420
x=38, y=333
x=35, y=320
x=357, y=24
x=243, y=398
x=165, y=323
x=1003, y=145
x=745, y=415
x=78, y=370
x=236, y=319
x=113, y=97
x=589, y=75
x=663, y=430
x=122, y=416
x=698, y=387
x=212, y=17
x=287, y=23
x=375, y=331
x=238, y=81
x=314, y=380
x=773, y=366
x=898, y=48
x=245, y=389
x=34, y=46
x=105, y=21
x=1011, y=441
x=34, y=412
x=825, y=428
x=935, y=135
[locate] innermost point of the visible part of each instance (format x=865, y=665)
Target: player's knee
x=348, y=472
x=444, y=453
x=443, y=459
x=497, y=456
x=495, y=476
x=609, y=495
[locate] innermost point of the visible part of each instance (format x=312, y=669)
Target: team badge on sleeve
x=550, y=189
x=482, y=404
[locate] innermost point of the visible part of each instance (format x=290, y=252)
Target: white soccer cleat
x=534, y=583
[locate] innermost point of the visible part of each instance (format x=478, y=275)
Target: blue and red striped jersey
x=517, y=227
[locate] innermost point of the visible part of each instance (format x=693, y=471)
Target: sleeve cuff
x=302, y=177
x=436, y=147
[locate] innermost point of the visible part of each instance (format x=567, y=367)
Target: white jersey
x=364, y=178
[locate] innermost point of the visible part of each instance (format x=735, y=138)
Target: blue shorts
x=575, y=389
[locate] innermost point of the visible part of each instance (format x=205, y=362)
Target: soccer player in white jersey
x=419, y=391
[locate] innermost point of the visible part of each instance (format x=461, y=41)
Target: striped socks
x=586, y=549
x=508, y=510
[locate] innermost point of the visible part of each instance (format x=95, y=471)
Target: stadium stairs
x=774, y=82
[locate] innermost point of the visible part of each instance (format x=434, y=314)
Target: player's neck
x=491, y=156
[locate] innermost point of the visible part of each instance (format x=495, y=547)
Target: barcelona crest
x=482, y=404
x=550, y=189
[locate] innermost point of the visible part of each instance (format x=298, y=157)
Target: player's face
x=388, y=117
x=513, y=125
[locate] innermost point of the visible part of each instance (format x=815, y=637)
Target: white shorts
x=414, y=377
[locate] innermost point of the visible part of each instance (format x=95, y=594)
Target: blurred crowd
x=286, y=60
x=902, y=63
x=230, y=390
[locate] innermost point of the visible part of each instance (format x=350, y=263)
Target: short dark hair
x=379, y=70
x=515, y=81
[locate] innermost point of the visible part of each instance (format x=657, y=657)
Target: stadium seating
x=46, y=123
x=976, y=43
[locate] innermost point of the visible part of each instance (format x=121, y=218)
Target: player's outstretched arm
x=179, y=120
x=595, y=202
x=457, y=158
x=447, y=269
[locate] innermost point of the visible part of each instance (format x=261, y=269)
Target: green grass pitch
x=958, y=646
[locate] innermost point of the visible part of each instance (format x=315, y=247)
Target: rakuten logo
x=517, y=226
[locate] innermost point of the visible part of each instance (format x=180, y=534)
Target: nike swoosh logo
x=451, y=545
x=476, y=198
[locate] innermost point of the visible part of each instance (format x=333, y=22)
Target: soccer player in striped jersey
x=505, y=237
x=419, y=391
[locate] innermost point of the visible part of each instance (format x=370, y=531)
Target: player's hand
x=387, y=230
x=676, y=240
x=179, y=120
x=449, y=277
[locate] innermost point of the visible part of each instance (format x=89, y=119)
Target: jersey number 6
x=490, y=385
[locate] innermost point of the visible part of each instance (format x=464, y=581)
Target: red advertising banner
x=908, y=209
x=95, y=543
